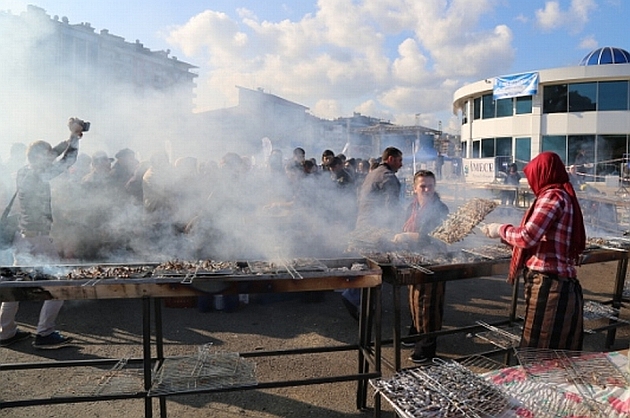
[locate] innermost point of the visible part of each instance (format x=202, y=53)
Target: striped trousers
x=553, y=312
x=426, y=304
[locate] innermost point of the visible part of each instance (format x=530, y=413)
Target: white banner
x=479, y=170
x=525, y=84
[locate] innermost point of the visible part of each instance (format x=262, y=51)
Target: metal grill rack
x=504, y=338
x=480, y=364
x=594, y=311
x=443, y=389
x=542, y=400
x=119, y=380
x=588, y=372
x=206, y=371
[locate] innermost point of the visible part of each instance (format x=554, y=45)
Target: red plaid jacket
x=545, y=237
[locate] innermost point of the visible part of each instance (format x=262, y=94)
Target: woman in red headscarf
x=547, y=247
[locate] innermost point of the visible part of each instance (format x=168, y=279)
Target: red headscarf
x=545, y=172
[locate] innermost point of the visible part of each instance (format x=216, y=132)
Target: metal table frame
x=151, y=291
x=445, y=273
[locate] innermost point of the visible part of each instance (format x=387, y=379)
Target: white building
x=565, y=110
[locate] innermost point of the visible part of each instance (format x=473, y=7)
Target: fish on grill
x=109, y=272
x=461, y=223
x=200, y=267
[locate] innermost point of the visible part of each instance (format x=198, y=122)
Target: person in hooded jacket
x=547, y=247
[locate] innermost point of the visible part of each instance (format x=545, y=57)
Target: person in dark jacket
x=378, y=208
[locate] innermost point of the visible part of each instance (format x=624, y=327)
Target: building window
x=555, y=98
x=476, y=149
x=504, y=107
x=477, y=108
x=487, y=147
x=465, y=113
x=503, y=146
x=581, y=152
x=582, y=97
x=523, y=105
x=487, y=106
x=612, y=95
x=610, y=153
x=523, y=151
x=555, y=143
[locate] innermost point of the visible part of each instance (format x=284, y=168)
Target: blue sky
x=390, y=59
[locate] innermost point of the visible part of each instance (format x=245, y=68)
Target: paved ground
x=111, y=329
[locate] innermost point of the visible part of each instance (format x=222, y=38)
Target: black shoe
x=419, y=358
x=353, y=310
x=51, y=342
x=408, y=344
x=19, y=336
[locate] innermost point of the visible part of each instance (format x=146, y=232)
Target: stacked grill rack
x=208, y=370
x=442, y=389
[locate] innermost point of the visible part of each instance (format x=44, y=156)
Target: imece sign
x=479, y=170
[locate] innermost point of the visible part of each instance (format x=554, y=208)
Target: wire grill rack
x=594, y=311
x=543, y=400
x=206, y=371
x=504, y=338
x=443, y=389
x=588, y=372
x=121, y=379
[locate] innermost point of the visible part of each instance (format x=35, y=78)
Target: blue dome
x=606, y=55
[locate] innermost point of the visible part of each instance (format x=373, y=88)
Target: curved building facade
x=581, y=112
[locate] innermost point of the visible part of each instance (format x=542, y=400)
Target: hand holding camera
x=78, y=126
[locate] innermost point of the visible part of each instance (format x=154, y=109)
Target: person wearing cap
x=547, y=246
x=33, y=244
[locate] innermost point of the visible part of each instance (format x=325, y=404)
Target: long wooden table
x=151, y=290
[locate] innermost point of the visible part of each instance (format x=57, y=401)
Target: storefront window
x=555, y=98
x=523, y=105
x=610, y=152
x=612, y=95
x=487, y=147
x=503, y=146
x=557, y=144
x=476, y=149
x=582, y=97
x=523, y=151
x=581, y=153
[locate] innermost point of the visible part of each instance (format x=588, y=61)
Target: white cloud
x=328, y=109
x=589, y=42
x=391, y=56
x=574, y=18
x=373, y=109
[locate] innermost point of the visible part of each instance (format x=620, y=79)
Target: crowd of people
x=78, y=208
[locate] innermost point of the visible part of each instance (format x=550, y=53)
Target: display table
x=338, y=274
